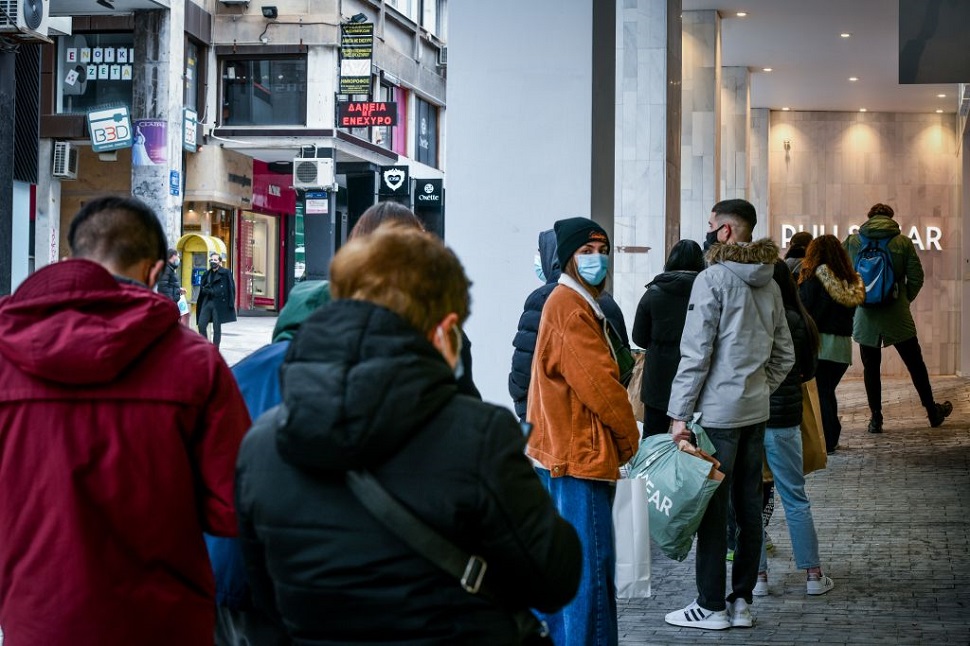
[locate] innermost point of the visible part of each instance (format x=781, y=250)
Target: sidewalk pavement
x=892, y=513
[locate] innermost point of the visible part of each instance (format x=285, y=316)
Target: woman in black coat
x=658, y=326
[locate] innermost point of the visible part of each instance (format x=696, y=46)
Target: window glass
x=264, y=92
x=426, y=137
x=193, y=80
x=429, y=15
x=408, y=7
x=94, y=70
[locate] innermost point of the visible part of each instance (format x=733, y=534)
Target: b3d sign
x=365, y=114
x=110, y=129
x=395, y=180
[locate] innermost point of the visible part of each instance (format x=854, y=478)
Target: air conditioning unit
x=65, y=160
x=313, y=173
x=25, y=19
x=443, y=56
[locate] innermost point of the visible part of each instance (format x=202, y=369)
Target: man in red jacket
x=119, y=430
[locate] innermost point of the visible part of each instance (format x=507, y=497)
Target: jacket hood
x=358, y=382
x=843, y=293
x=751, y=262
x=880, y=226
x=547, y=256
x=304, y=298
x=73, y=323
x=676, y=283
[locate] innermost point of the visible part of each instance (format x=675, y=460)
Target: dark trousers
x=210, y=313
x=655, y=421
x=827, y=377
x=740, y=451
x=909, y=351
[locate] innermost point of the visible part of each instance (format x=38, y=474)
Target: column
x=157, y=96
x=647, y=144
x=700, y=143
x=735, y=128
x=758, y=169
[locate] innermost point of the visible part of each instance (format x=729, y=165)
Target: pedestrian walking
x=217, y=299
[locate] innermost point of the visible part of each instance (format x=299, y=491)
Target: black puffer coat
x=831, y=302
x=657, y=329
x=364, y=390
x=168, y=283
x=786, y=401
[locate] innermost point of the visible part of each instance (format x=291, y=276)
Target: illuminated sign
x=363, y=114
x=356, y=52
x=928, y=240
x=110, y=129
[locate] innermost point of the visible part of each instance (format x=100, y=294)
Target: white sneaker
x=819, y=585
x=693, y=616
x=739, y=614
x=761, y=587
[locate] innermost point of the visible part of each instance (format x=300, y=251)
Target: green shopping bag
x=680, y=483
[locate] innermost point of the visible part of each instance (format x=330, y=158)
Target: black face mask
x=711, y=238
x=213, y=265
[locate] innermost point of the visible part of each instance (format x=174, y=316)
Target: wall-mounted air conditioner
x=313, y=173
x=25, y=19
x=443, y=56
x=65, y=160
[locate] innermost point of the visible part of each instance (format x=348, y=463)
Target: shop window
x=393, y=137
x=94, y=70
x=426, y=137
x=264, y=91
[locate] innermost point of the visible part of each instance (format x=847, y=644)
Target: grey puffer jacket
x=736, y=347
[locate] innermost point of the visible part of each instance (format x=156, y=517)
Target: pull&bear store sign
x=927, y=239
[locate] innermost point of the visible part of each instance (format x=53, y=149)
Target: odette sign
x=927, y=240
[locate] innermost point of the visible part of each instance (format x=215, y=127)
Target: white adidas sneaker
x=740, y=614
x=693, y=616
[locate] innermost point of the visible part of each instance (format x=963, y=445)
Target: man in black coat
x=217, y=299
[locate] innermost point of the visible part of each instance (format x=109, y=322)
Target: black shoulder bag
x=469, y=569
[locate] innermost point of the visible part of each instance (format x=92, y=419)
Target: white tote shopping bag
x=632, y=531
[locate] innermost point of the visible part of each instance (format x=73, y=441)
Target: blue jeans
x=590, y=618
x=739, y=450
x=783, y=450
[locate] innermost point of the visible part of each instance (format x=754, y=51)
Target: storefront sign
x=394, y=181
x=363, y=114
x=927, y=240
x=190, y=130
x=428, y=194
x=110, y=129
x=356, y=51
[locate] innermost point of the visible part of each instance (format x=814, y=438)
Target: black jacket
x=657, y=328
x=524, y=343
x=168, y=283
x=364, y=390
x=219, y=288
x=830, y=315
x=786, y=401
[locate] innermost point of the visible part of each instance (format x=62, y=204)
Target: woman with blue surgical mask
x=583, y=425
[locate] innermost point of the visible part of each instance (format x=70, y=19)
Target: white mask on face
x=459, y=367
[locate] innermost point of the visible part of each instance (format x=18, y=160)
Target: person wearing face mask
x=583, y=424
x=109, y=473
x=369, y=384
x=524, y=343
x=168, y=283
x=217, y=299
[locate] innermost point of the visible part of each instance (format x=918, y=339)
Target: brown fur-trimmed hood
x=759, y=252
x=842, y=292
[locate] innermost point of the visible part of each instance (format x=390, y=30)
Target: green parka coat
x=890, y=324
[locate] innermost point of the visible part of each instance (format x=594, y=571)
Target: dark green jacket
x=890, y=324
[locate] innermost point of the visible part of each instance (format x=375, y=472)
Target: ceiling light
x=785, y=109
x=941, y=96
x=853, y=78
x=741, y=14
x=845, y=34
x=862, y=110
x=939, y=111
x=767, y=69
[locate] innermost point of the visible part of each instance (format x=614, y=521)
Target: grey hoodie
x=736, y=347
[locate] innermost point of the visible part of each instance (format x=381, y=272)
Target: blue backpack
x=875, y=265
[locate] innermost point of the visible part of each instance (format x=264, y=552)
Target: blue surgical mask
x=592, y=267
x=541, y=275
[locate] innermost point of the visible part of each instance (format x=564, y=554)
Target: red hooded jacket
x=119, y=430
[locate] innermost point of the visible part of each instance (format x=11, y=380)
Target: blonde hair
x=408, y=271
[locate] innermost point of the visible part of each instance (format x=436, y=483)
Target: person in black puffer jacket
x=547, y=270
x=783, y=443
x=368, y=384
x=658, y=327
x=168, y=283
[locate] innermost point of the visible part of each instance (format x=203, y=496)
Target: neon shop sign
x=927, y=239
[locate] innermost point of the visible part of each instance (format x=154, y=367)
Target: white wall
x=518, y=150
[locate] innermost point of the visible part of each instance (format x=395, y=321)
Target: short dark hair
x=741, y=210
x=881, y=209
x=121, y=230
x=686, y=255
x=172, y=252
x=383, y=212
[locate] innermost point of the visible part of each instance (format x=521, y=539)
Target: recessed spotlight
x=845, y=34
x=853, y=78
x=741, y=14
x=862, y=110
x=939, y=111
x=785, y=109
x=767, y=69
x=941, y=96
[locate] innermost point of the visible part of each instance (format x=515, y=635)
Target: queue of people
x=218, y=506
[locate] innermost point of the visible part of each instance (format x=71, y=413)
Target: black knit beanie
x=573, y=233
